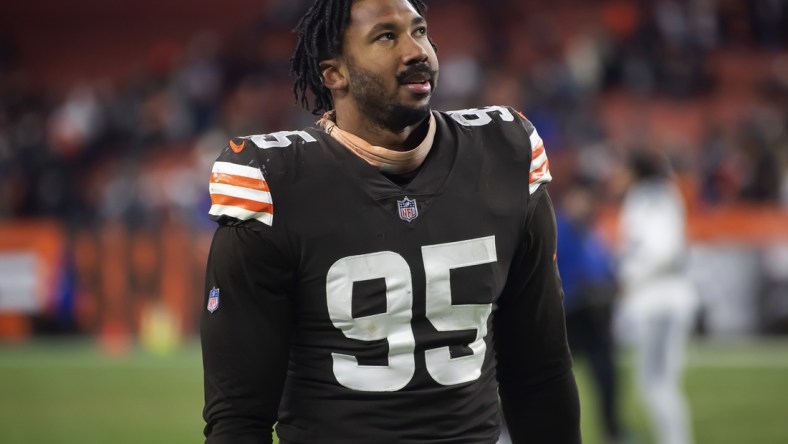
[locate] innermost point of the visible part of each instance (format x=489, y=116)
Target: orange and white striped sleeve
x=239, y=191
x=540, y=165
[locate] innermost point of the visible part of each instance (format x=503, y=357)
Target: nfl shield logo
x=407, y=209
x=213, y=299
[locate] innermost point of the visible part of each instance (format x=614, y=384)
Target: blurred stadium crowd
x=705, y=81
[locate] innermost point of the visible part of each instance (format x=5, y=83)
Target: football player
x=382, y=277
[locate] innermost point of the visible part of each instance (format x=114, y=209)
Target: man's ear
x=334, y=76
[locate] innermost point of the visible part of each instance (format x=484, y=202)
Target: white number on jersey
x=439, y=260
x=280, y=139
x=480, y=116
x=395, y=324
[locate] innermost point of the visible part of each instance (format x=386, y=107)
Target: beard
x=369, y=91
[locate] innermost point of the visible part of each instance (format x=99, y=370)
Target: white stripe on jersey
x=539, y=161
x=241, y=214
x=532, y=187
x=240, y=192
x=535, y=139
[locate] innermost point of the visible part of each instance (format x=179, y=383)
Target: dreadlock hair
x=320, y=33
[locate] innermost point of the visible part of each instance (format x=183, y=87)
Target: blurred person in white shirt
x=658, y=305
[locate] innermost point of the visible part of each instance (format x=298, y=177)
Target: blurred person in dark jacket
x=589, y=283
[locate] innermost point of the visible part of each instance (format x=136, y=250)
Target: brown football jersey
x=349, y=308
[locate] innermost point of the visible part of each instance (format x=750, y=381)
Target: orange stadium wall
x=748, y=225
x=31, y=254
x=738, y=259
x=121, y=277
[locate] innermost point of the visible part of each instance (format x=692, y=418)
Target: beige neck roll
x=384, y=159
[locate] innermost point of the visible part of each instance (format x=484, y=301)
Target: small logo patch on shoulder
x=213, y=300
x=237, y=145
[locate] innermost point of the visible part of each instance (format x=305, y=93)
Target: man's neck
x=388, y=161
x=350, y=119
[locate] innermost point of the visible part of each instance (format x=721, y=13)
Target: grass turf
x=69, y=392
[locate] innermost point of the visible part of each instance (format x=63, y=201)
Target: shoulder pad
x=476, y=117
x=540, y=166
x=237, y=186
x=481, y=116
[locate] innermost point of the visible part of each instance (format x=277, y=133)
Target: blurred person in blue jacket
x=658, y=299
x=589, y=282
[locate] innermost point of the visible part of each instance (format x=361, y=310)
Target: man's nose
x=414, y=51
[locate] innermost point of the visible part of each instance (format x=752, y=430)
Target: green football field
x=68, y=392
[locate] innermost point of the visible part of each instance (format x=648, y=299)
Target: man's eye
x=386, y=36
x=421, y=31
